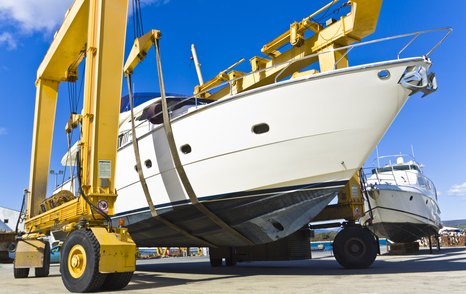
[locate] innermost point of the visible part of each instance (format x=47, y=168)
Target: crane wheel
x=20, y=273
x=45, y=269
x=79, y=262
x=116, y=281
x=355, y=247
x=230, y=261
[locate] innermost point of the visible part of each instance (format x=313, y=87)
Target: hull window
x=260, y=128
x=186, y=149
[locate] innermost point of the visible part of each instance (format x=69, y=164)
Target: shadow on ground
x=157, y=274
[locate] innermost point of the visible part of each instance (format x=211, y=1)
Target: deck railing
x=401, y=178
x=412, y=37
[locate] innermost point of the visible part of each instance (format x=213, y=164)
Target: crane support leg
x=95, y=256
x=46, y=103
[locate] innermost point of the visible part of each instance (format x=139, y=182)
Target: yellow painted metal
x=67, y=44
x=117, y=251
x=44, y=119
x=358, y=23
x=58, y=217
x=29, y=253
x=102, y=91
x=77, y=261
x=350, y=204
x=162, y=251
x=139, y=50
x=98, y=29
x=304, y=73
x=295, y=33
x=222, y=76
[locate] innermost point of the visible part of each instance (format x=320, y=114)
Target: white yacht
x=402, y=201
x=268, y=149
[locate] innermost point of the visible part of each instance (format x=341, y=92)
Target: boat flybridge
x=254, y=156
x=402, y=201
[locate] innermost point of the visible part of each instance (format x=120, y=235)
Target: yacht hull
x=260, y=218
x=403, y=214
x=289, y=146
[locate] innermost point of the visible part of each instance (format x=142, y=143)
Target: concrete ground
x=443, y=272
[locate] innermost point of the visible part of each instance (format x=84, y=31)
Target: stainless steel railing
x=401, y=178
x=412, y=38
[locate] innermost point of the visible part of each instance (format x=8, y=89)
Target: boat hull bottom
x=403, y=232
x=261, y=219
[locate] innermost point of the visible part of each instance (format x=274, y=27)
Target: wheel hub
x=355, y=247
x=77, y=261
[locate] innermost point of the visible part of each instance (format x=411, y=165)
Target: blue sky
x=224, y=32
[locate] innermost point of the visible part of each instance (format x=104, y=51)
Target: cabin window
x=397, y=167
x=260, y=128
x=152, y=113
x=5, y=221
x=186, y=149
x=421, y=181
x=383, y=74
x=123, y=139
x=148, y=163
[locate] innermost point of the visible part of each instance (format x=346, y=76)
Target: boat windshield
x=396, y=167
x=140, y=98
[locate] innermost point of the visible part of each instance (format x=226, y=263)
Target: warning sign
x=105, y=169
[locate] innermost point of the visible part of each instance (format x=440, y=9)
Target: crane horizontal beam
x=65, y=52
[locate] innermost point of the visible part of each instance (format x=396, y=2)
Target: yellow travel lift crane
x=95, y=254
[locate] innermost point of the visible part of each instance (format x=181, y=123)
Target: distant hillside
x=455, y=223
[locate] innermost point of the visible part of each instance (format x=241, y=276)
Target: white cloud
x=34, y=16
x=3, y=131
x=23, y=17
x=458, y=190
x=7, y=39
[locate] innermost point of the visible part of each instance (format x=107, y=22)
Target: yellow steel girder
x=98, y=28
x=117, y=251
x=358, y=23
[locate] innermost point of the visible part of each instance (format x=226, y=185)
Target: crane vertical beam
x=98, y=28
x=44, y=120
x=64, y=51
x=103, y=82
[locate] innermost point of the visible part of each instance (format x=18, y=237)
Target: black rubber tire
x=45, y=269
x=116, y=281
x=90, y=280
x=355, y=247
x=20, y=273
x=230, y=261
x=215, y=262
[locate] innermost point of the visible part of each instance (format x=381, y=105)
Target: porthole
x=260, y=128
x=186, y=149
x=411, y=198
x=277, y=225
x=148, y=163
x=383, y=74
